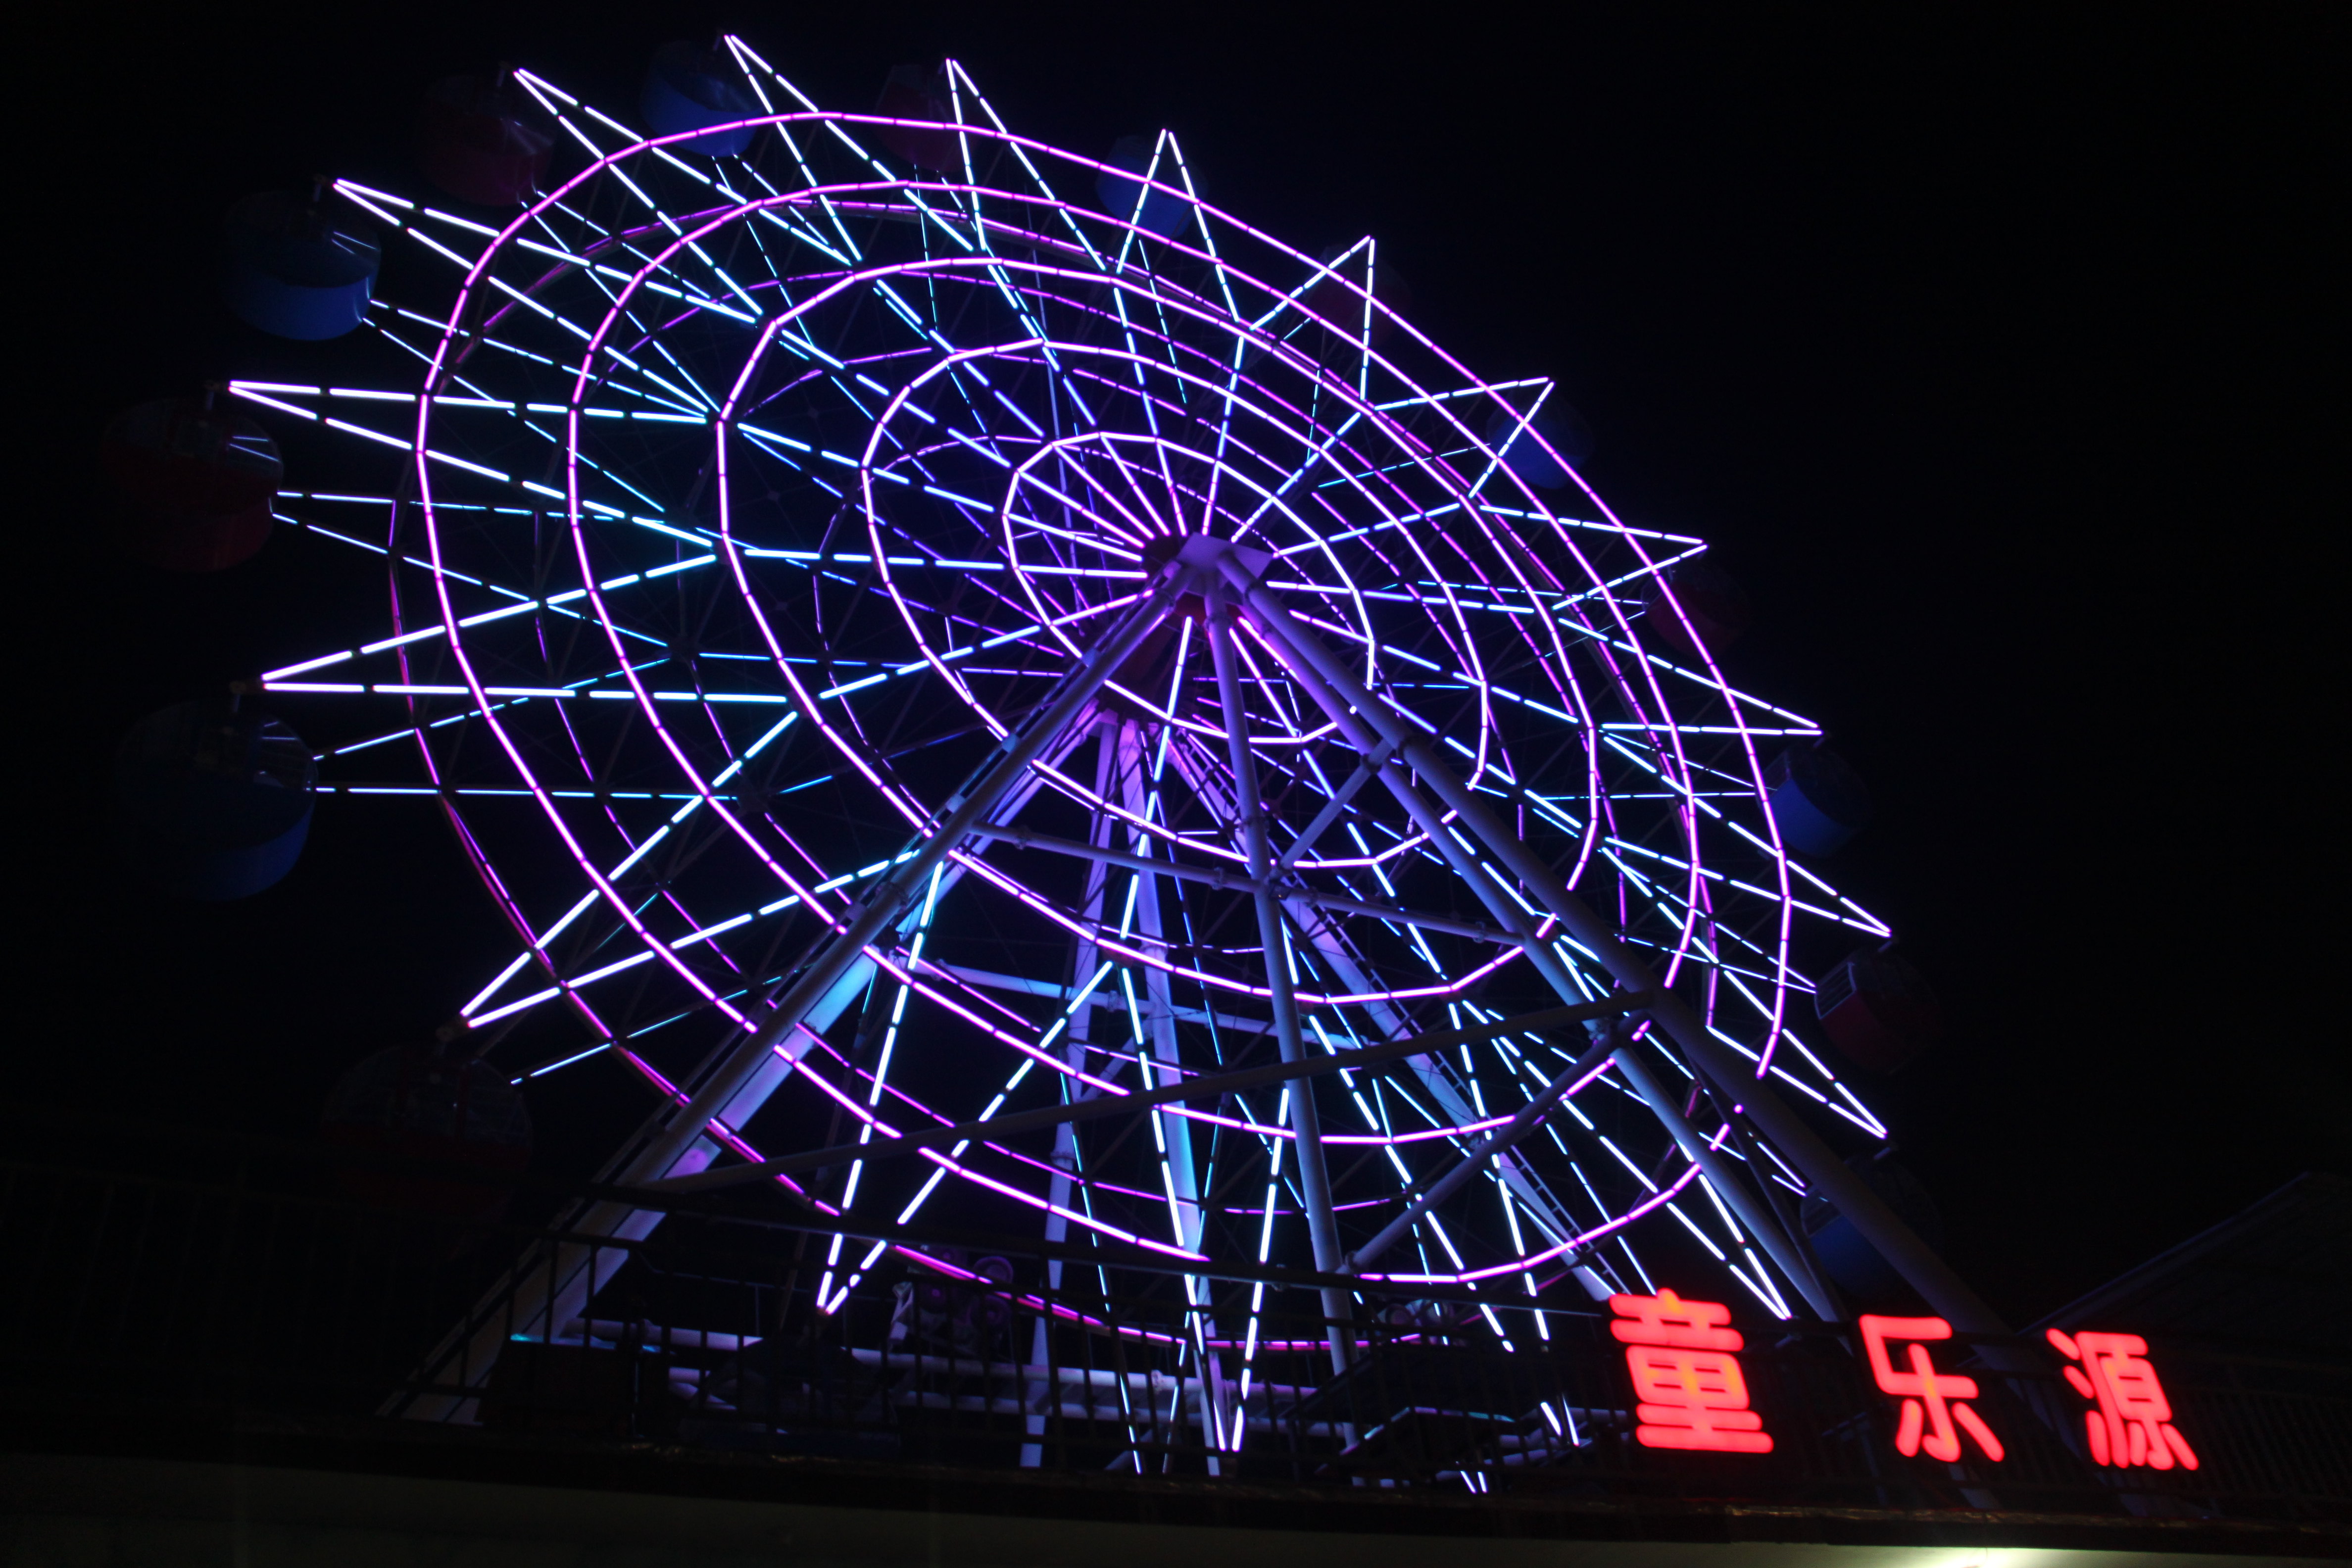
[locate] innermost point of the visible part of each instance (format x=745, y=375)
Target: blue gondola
x=1162, y=214
x=291, y=269
x=687, y=88
x=212, y=805
x=1818, y=801
x=1559, y=425
x=1851, y=1262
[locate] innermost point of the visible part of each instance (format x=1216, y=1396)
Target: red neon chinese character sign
x=2133, y=1423
x=1688, y=1382
x=1931, y=1399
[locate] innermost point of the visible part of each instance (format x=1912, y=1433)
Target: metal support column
x=1083, y=958
x=1314, y=1180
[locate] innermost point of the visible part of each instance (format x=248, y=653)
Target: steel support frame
x=890, y=893
x=1175, y=1133
x=1343, y=697
x=1717, y=1167
x=558, y=1288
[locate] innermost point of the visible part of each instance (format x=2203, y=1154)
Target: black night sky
x=1989, y=350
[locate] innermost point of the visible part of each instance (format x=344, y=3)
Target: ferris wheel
x=1004, y=695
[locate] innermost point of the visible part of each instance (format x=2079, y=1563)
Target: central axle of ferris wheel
x=1224, y=578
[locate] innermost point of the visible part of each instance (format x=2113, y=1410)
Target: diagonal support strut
x=1337, y=690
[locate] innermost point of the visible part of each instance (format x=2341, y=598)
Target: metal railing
x=312, y=1287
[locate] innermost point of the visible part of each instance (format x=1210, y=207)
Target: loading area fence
x=315, y=1288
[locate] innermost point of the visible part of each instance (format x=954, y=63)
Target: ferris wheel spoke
x=742, y=1109
x=849, y=946
x=685, y=851
x=590, y=266
x=261, y=392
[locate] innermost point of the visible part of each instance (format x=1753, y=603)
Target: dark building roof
x=2278, y=1275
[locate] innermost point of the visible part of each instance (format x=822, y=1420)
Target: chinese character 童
x=1687, y=1380
x=1931, y=1399
x=2133, y=1423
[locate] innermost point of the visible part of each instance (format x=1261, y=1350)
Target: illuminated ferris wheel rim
x=1527, y=568
x=1159, y=297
